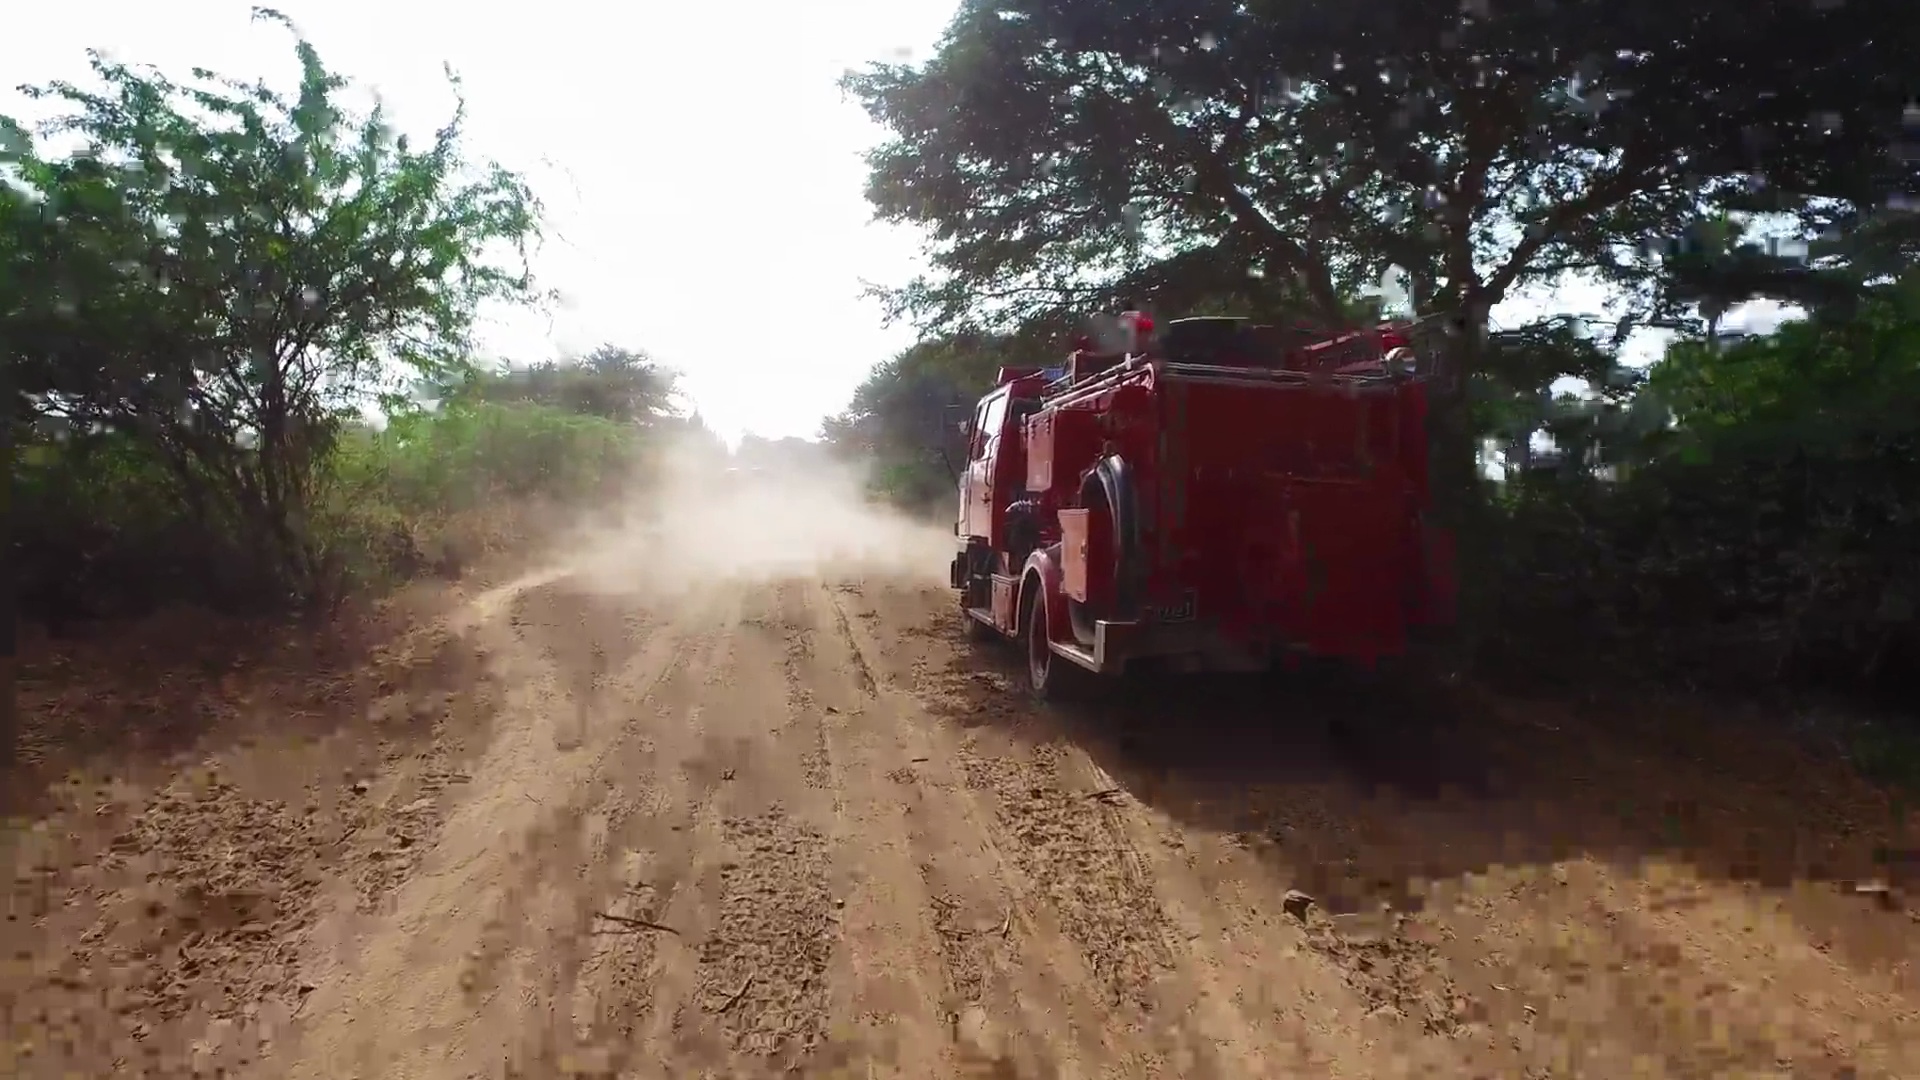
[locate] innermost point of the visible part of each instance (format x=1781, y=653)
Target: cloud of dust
x=703, y=518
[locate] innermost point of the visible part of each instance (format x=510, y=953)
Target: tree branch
x=1606, y=192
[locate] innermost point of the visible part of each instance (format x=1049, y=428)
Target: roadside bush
x=473, y=455
x=1773, y=534
x=432, y=490
x=101, y=528
x=914, y=487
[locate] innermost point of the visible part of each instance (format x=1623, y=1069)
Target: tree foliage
x=1768, y=525
x=611, y=382
x=904, y=414
x=225, y=275
x=1279, y=155
x=1273, y=159
x=1061, y=153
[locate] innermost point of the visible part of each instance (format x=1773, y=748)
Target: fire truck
x=1207, y=495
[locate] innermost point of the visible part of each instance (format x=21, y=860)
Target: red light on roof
x=1142, y=323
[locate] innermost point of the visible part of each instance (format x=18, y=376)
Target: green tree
x=1064, y=155
x=902, y=416
x=1767, y=526
x=226, y=274
x=611, y=382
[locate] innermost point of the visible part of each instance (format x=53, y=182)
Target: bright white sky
x=702, y=173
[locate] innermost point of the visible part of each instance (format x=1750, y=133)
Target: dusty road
x=795, y=826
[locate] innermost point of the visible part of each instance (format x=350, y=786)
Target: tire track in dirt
x=1022, y=951
x=943, y=877
x=886, y=972
x=529, y=950
x=1201, y=971
x=763, y=969
x=629, y=927
x=639, y=867
x=761, y=980
x=806, y=679
x=1014, y=1003
x=1087, y=886
x=466, y=955
x=729, y=855
x=647, y=862
x=1215, y=1012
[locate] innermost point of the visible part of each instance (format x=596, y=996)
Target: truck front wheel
x=1049, y=676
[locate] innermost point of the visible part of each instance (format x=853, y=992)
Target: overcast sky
x=702, y=173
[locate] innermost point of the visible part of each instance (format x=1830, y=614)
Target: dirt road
x=794, y=826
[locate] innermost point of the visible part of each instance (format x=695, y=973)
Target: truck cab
x=996, y=455
x=994, y=520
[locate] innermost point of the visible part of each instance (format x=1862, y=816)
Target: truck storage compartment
x=1056, y=439
x=1293, y=427
x=1287, y=503
x=1074, y=553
